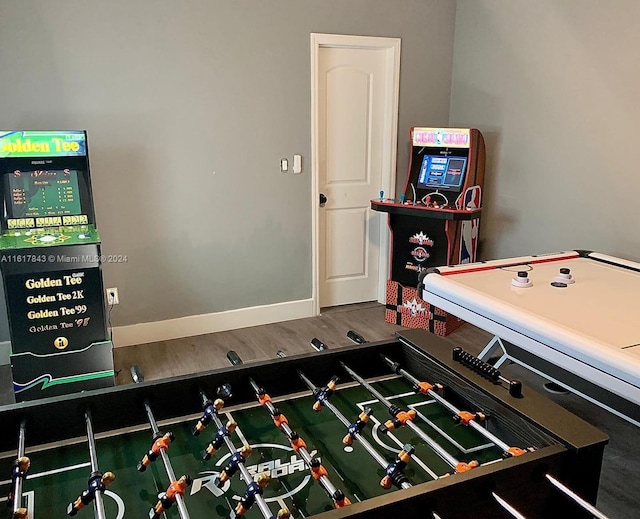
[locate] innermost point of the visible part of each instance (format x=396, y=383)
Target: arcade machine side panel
x=466, y=239
x=51, y=265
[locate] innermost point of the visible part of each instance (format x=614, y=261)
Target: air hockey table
x=571, y=317
x=554, y=441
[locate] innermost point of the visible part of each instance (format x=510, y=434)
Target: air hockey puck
x=558, y=284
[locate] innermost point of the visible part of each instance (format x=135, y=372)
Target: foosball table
x=402, y=428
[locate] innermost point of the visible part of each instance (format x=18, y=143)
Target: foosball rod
x=336, y=495
x=363, y=441
x=420, y=386
x=93, y=457
x=182, y=508
x=571, y=494
x=17, y=486
x=509, y=508
x=262, y=505
x=437, y=448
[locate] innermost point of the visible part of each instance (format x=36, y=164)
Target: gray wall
x=554, y=85
x=189, y=106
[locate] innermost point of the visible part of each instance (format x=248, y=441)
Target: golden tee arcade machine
x=51, y=265
x=435, y=221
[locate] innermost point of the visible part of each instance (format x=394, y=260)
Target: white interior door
x=355, y=95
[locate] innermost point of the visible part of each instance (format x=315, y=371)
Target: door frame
x=389, y=151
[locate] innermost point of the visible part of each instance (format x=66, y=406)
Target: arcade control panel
x=431, y=206
x=46, y=236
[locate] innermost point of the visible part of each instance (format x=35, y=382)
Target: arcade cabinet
x=435, y=221
x=51, y=265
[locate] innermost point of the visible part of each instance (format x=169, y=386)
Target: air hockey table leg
x=493, y=349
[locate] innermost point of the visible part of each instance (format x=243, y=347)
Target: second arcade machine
x=51, y=266
x=435, y=221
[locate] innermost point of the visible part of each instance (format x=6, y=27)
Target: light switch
x=297, y=164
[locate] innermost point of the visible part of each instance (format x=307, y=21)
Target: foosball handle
x=487, y=371
x=515, y=388
x=356, y=337
x=136, y=374
x=318, y=345
x=474, y=363
x=233, y=358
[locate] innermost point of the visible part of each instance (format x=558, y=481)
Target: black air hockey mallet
x=487, y=371
x=318, y=472
x=18, y=475
x=394, y=472
x=176, y=488
x=402, y=417
x=460, y=417
x=253, y=493
x=97, y=480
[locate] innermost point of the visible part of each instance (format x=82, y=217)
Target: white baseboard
x=5, y=349
x=210, y=323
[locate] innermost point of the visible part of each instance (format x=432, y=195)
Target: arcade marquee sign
x=442, y=137
x=41, y=143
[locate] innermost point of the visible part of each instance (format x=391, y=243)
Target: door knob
x=323, y=199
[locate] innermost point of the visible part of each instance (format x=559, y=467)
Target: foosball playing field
x=59, y=475
x=421, y=435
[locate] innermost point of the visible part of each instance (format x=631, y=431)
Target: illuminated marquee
x=442, y=137
x=42, y=144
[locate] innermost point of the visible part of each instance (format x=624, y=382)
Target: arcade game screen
x=42, y=193
x=440, y=172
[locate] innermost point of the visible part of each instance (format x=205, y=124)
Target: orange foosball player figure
x=160, y=443
x=166, y=499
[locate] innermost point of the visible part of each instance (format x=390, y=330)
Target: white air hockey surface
x=590, y=327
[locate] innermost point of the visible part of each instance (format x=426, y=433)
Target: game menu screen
x=440, y=172
x=41, y=193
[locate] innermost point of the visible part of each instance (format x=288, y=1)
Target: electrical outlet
x=112, y=296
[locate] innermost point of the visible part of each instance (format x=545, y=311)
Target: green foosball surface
x=58, y=475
